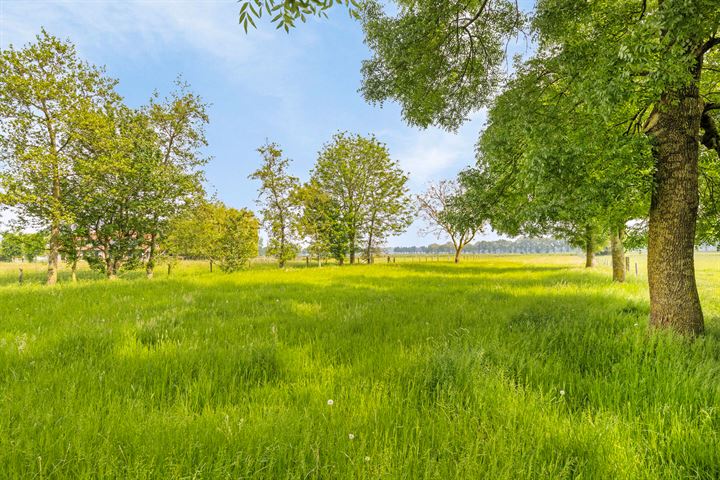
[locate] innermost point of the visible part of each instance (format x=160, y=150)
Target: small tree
x=275, y=197
x=238, y=240
x=215, y=232
x=357, y=174
x=179, y=125
x=389, y=209
x=446, y=209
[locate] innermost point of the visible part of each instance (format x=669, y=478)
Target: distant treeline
x=520, y=245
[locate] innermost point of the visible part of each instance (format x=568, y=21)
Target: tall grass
x=518, y=367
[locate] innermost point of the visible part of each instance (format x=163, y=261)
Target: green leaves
x=367, y=188
x=103, y=177
x=285, y=13
x=213, y=231
x=552, y=163
x=439, y=60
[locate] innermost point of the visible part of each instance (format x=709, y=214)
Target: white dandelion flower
x=562, y=392
x=330, y=402
x=367, y=459
x=351, y=436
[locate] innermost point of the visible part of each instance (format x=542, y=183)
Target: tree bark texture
x=674, y=300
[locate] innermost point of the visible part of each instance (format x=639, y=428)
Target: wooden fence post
x=627, y=264
x=20, y=276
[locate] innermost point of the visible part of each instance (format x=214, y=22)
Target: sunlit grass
x=501, y=367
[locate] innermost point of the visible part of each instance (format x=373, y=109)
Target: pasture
x=501, y=367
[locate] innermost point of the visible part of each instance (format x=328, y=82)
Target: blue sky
x=296, y=89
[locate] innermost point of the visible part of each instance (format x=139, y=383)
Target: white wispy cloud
x=433, y=154
x=152, y=28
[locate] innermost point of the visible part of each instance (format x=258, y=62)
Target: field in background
x=501, y=367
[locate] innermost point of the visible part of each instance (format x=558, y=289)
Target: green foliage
x=27, y=246
x=114, y=186
x=11, y=247
x=278, y=209
x=102, y=178
x=366, y=192
x=215, y=232
x=284, y=13
x=547, y=165
x=708, y=228
x=622, y=52
x=439, y=60
x=45, y=93
x=175, y=181
x=320, y=223
x=238, y=240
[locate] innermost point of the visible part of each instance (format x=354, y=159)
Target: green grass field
x=504, y=367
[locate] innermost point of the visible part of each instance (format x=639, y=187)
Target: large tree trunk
x=352, y=251
x=458, y=250
x=618, y=254
x=674, y=128
x=589, y=247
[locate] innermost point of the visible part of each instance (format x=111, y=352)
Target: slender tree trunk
x=150, y=265
x=618, y=254
x=73, y=272
x=352, y=251
x=54, y=252
x=110, y=269
x=589, y=247
x=458, y=250
x=674, y=128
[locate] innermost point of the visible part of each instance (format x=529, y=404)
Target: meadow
x=500, y=367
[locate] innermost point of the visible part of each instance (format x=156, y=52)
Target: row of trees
x=613, y=117
x=104, y=180
x=355, y=198
x=519, y=245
